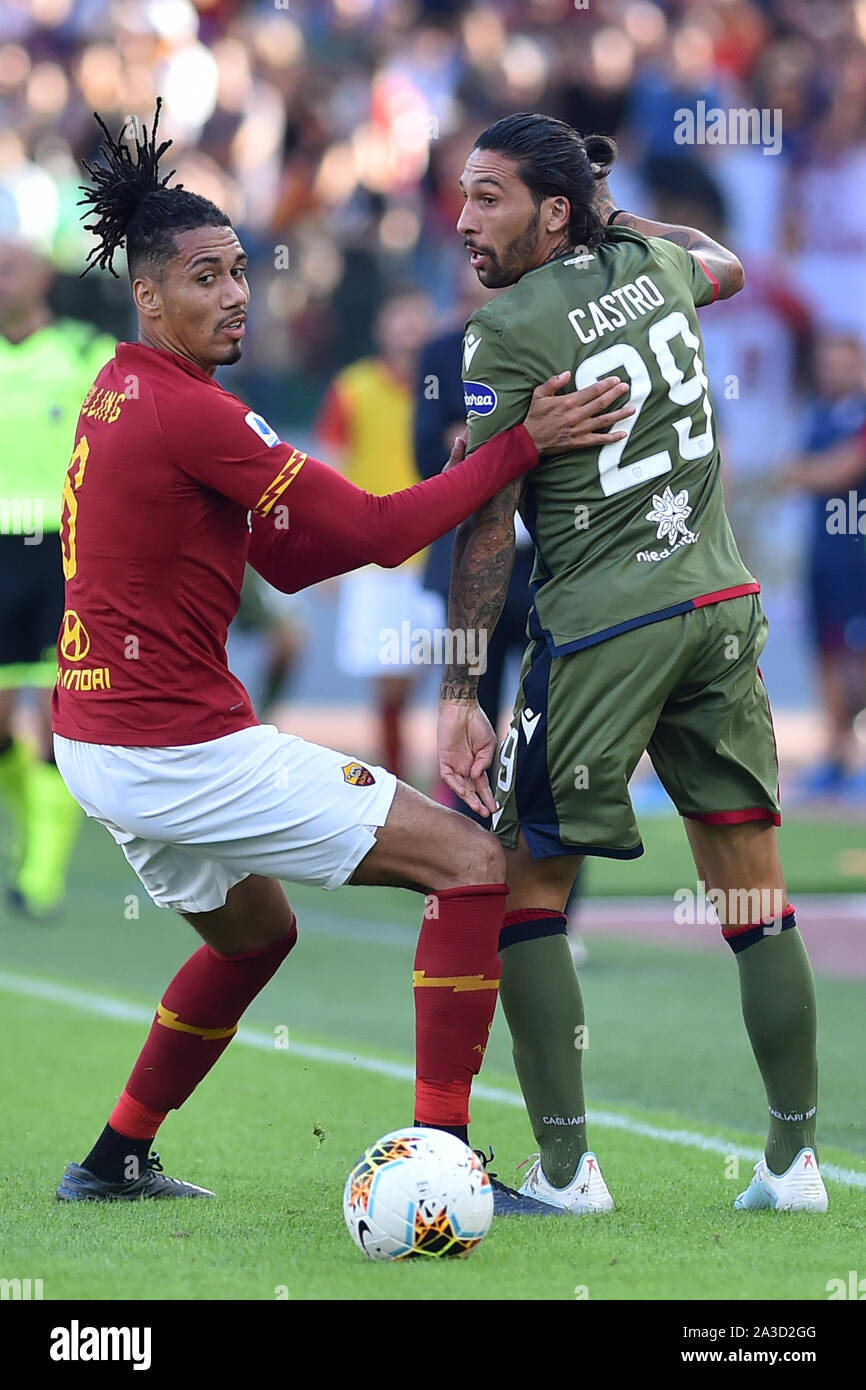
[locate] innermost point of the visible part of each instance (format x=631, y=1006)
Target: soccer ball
x=418, y=1192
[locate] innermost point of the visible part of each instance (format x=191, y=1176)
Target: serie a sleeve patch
x=261, y=427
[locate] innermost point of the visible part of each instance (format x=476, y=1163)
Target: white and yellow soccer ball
x=418, y=1192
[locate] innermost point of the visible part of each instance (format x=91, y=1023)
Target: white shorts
x=196, y=819
x=377, y=612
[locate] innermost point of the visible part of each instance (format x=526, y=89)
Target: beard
x=507, y=268
x=233, y=353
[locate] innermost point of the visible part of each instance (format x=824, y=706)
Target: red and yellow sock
x=456, y=982
x=194, y=1024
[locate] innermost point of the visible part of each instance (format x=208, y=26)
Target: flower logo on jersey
x=670, y=512
x=74, y=641
x=357, y=775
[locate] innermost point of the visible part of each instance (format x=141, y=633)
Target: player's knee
x=467, y=855
x=486, y=858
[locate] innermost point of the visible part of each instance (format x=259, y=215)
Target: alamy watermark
x=846, y=516
x=738, y=125
x=77, y=1343
x=440, y=646
x=702, y=906
x=22, y=516
x=20, y=1290
x=854, y=1287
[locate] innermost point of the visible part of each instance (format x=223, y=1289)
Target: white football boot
x=587, y=1191
x=800, y=1187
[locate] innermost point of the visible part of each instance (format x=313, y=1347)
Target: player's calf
x=778, y=1002
x=461, y=869
x=740, y=865
x=195, y=1021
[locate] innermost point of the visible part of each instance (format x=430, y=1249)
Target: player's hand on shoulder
x=467, y=742
x=458, y=451
x=579, y=419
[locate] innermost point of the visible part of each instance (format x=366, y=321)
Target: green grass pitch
x=275, y=1131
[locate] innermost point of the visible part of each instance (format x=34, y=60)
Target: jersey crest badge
x=582, y=257
x=74, y=639
x=262, y=428
x=357, y=775
x=479, y=397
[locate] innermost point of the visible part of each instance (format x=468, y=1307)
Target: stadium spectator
x=366, y=424
x=830, y=251
x=757, y=348
x=832, y=470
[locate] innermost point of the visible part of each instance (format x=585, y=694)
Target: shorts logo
x=262, y=428
x=357, y=775
x=74, y=641
x=529, y=722
x=479, y=397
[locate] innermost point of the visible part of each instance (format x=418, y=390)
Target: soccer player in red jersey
x=173, y=486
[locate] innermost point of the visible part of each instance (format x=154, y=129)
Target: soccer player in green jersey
x=644, y=633
x=46, y=367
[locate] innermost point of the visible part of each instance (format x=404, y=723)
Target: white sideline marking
x=119, y=1009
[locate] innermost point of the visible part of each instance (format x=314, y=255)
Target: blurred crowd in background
x=337, y=129
x=333, y=132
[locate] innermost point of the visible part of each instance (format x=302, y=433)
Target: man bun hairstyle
x=555, y=161
x=132, y=205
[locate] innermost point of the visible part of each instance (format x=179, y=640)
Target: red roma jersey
x=166, y=467
x=172, y=487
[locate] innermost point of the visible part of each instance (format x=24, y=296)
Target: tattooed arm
x=480, y=573
x=484, y=546
x=716, y=259
x=481, y=567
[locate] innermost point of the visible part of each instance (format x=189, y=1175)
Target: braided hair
x=133, y=206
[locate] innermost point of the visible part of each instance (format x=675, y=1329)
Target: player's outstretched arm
x=335, y=527
x=301, y=557
x=717, y=260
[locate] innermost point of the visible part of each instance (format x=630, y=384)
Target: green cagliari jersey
x=635, y=531
x=43, y=381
